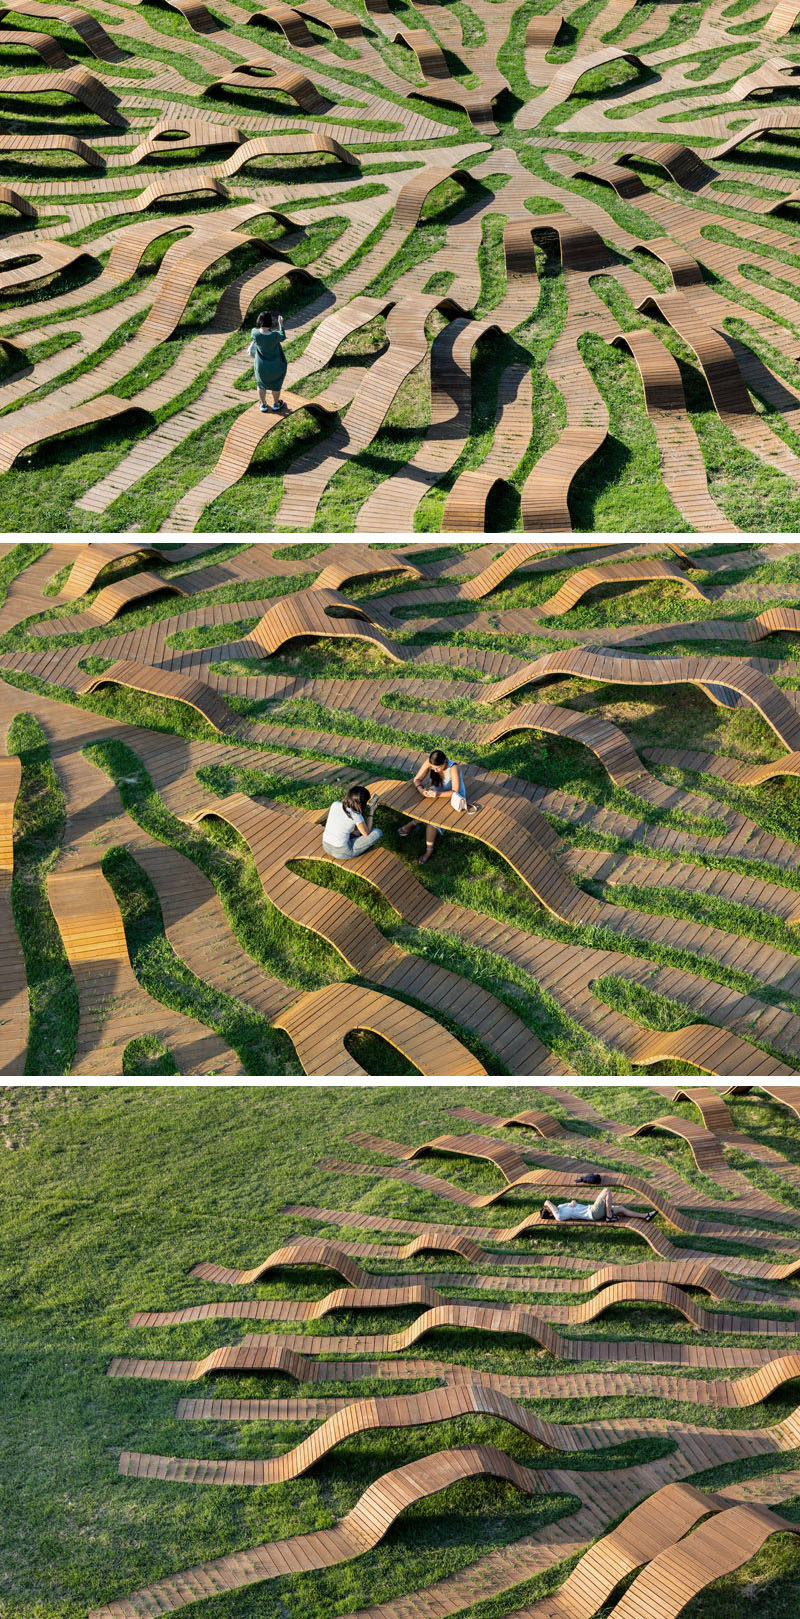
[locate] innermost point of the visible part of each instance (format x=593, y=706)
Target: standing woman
x=269, y=360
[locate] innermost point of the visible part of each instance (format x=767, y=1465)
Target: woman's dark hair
x=438, y=763
x=264, y=320
x=356, y=801
x=546, y=1215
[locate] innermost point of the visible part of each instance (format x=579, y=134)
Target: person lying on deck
x=601, y=1209
x=436, y=775
x=348, y=830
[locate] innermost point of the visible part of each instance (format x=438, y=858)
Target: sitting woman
x=436, y=775
x=601, y=1209
x=348, y=830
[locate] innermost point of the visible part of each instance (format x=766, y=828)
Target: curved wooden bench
x=86, y=26
x=93, y=559
x=705, y=1148
x=567, y=77
x=43, y=45
x=257, y=74
x=411, y=196
x=167, y=683
x=683, y=468
x=113, y=599
x=53, y=143
x=162, y=141
x=243, y=440
x=407, y=1294
x=430, y=56
x=681, y=163
x=357, y=561
x=591, y=663
x=363, y=1527
x=317, y=1251
x=344, y=24
x=658, y=1523
x=275, y=839
x=508, y=559
x=467, y=504
x=286, y=146
x=321, y=1252
x=541, y=33
x=114, y=1009
x=14, y=441
x=542, y=1123
x=307, y=612
x=77, y=83
x=763, y=124
x=546, y=1182
x=545, y=493
x=679, y=1572
x=318, y=1023
x=13, y=979
x=615, y=573
x=787, y=1095
x=287, y=20
x=11, y=199
x=307, y=478
x=495, y=828
x=684, y=269
x=782, y=20
x=392, y=504
x=714, y=1113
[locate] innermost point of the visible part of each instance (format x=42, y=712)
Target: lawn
x=111, y=1195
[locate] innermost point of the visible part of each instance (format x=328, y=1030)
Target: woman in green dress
x=269, y=361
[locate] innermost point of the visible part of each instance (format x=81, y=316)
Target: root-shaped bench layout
x=77, y=83
x=363, y=1527
x=87, y=27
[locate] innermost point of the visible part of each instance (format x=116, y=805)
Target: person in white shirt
x=348, y=830
x=601, y=1209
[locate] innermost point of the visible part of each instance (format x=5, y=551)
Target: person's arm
x=424, y=792
x=281, y=332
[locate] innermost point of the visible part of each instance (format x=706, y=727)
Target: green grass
x=103, y=1219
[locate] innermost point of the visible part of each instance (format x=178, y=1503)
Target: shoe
x=263, y=409
x=651, y=1214
x=276, y=409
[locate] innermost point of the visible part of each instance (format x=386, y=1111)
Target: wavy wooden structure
x=363, y=1527
x=406, y=1295
x=53, y=143
x=532, y=860
x=251, y=76
x=167, y=683
x=679, y=1572
x=707, y=673
x=787, y=1095
x=77, y=83
x=114, y=1009
x=87, y=27
x=286, y=146
x=275, y=839
x=318, y=1023
x=322, y=1253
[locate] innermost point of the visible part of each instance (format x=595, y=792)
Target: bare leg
x=430, y=839
x=625, y=1213
x=262, y=396
x=276, y=398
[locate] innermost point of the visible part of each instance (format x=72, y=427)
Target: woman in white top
x=437, y=774
x=601, y=1209
x=348, y=831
